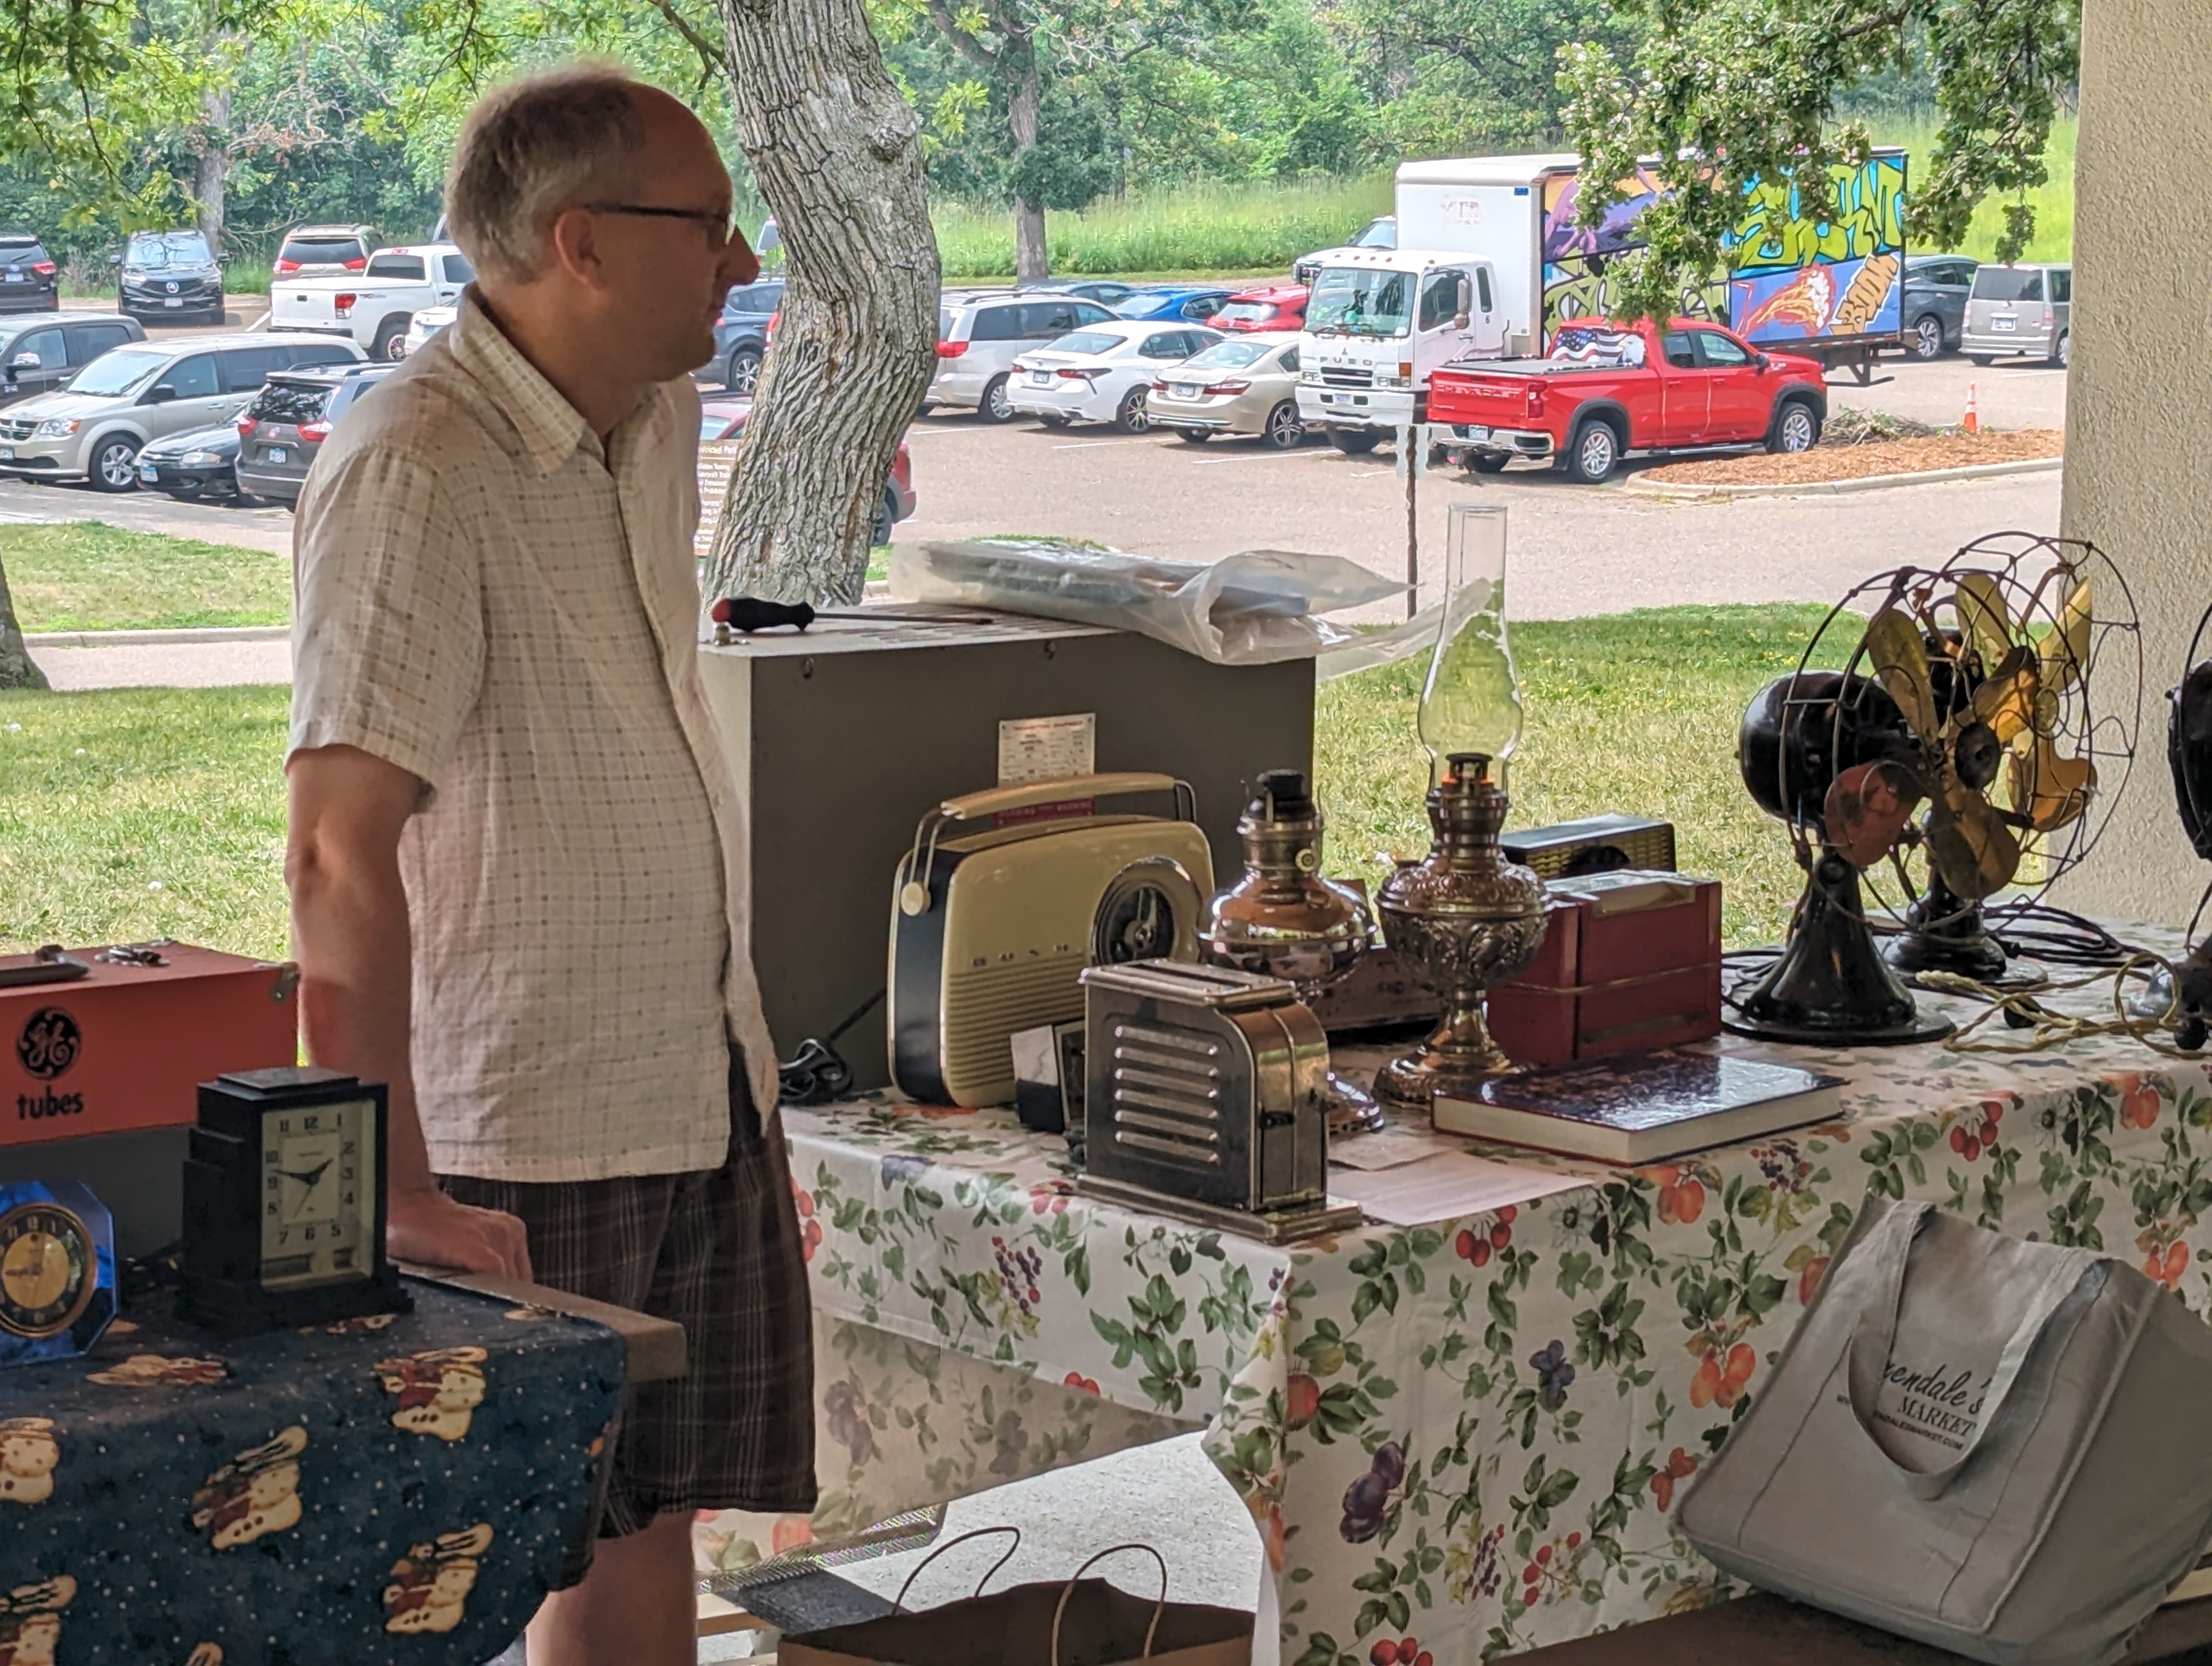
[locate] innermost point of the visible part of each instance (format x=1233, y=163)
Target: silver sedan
x=1246, y=386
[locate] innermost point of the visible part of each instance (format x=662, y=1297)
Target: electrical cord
x=2020, y=1010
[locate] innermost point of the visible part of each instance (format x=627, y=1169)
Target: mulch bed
x=1938, y=451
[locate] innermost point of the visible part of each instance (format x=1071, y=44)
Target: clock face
x=318, y=1194
x=48, y=1269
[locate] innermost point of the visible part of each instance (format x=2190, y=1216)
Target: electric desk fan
x=1968, y=692
x=2188, y=754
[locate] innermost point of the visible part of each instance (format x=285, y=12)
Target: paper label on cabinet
x=1047, y=748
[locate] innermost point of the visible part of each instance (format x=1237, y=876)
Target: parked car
x=92, y=429
x=1935, y=306
x=376, y=307
x=1608, y=389
x=1380, y=233
x=1269, y=307
x=980, y=333
x=168, y=274
x=741, y=335
x=1106, y=291
x=39, y=351
x=2020, y=309
x=1241, y=385
x=191, y=465
x=1191, y=303
x=1103, y=373
x=280, y=432
x=30, y=278
x=724, y=419
x=329, y=250
x=424, y=325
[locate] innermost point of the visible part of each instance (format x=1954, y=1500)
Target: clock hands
x=312, y=1176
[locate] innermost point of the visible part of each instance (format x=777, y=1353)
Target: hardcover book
x=1640, y=1107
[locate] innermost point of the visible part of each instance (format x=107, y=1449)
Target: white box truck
x=1813, y=271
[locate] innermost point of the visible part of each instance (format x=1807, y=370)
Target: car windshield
x=2009, y=283
x=1250, y=312
x=1352, y=300
x=1380, y=235
x=168, y=248
x=1228, y=356
x=119, y=370
x=1086, y=341
x=712, y=424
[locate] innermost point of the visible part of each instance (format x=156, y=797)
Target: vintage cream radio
x=991, y=928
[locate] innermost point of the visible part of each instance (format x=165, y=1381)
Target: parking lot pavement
x=240, y=313
x=22, y=501
x=2010, y=393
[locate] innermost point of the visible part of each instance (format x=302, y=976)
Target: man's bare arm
x=350, y=933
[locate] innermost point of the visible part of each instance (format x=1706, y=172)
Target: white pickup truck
x=373, y=306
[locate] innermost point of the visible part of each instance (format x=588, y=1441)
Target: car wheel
x=390, y=343
x=2062, y=353
x=114, y=466
x=1928, y=336
x=1194, y=436
x=1354, y=441
x=1595, y=453
x=742, y=374
x=1982, y=360
x=887, y=517
x=995, y=406
x=1795, y=429
x=1132, y=417
x=185, y=493
x=1284, y=430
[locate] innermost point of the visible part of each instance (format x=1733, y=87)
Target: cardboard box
x=124, y=1047
x=1631, y=960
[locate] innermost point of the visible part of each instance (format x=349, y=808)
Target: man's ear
x=572, y=241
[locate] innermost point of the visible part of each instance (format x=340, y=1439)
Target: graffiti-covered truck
x=1606, y=389
x=1491, y=263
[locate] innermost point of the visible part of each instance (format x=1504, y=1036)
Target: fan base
x=1944, y=934
x=1831, y=986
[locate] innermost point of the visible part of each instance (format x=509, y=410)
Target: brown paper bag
x=1083, y=1622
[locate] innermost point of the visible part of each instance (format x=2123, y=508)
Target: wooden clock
x=285, y=1202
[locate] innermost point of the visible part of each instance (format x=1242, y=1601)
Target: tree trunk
x=212, y=167
x=1031, y=259
x=837, y=153
x=16, y=669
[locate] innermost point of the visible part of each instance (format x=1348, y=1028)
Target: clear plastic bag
x=1250, y=609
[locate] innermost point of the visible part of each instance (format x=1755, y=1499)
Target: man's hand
x=429, y=1228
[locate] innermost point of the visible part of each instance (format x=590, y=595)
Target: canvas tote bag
x=1071, y=1622
x=1998, y=1447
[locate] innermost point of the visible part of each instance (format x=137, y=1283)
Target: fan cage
x=2033, y=574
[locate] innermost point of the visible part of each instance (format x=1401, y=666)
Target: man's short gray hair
x=531, y=148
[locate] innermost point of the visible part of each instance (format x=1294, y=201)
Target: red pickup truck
x=1608, y=389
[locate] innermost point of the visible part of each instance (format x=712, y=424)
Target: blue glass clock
x=57, y=1270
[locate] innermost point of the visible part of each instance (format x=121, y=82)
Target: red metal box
x=1631, y=960
x=125, y=1047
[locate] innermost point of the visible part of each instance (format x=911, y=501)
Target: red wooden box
x=126, y=1047
x=1631, y=960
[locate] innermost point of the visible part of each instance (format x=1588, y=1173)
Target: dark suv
x=168, y=274
x=30, y=278
x=741, y=335
x=288, y=422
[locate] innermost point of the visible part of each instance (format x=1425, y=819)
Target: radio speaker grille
x=985, y=1005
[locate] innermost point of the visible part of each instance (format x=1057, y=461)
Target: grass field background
x=88, y=575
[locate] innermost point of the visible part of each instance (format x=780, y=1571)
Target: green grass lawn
x=132, y=813
x=88, y=575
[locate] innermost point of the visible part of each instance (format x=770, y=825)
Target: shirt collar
x=550, y=428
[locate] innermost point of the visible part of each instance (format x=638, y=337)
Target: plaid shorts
x=718, y=1251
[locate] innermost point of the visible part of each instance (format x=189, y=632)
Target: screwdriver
x=750, y=613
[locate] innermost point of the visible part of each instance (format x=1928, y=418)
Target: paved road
x=2010, y=393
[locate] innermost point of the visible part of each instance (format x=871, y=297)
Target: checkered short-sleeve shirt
x=492, y=601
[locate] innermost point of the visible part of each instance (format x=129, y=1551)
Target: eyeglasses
x=720, y=227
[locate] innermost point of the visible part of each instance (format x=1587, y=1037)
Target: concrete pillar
x=2138, y=479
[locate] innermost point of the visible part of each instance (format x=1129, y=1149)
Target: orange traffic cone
x=1973, y=422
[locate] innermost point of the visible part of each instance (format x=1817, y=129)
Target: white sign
x=1047, y=748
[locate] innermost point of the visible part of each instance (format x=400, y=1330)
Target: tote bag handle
x=1159, y=1608
x=898, y=1603
x=1876, y=1333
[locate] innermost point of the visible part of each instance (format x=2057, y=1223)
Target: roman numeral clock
x=285, y=1202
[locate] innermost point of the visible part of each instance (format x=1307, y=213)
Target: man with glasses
x=514, y=858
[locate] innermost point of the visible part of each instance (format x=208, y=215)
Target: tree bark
x=837, y=153
x=1031, y=258
x=211, y=171
x=17, y=670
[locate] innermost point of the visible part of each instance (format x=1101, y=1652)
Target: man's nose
x=739, y=264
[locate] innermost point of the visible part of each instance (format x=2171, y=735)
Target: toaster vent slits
x=1167, y=1094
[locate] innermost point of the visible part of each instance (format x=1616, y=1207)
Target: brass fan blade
x=2066, y=649
x=1900, y=659
x=1982, y=612
x=2007, y=700
x=1970, y=846
x=2048, y=788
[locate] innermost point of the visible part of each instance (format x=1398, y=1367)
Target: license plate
x=14, y=276
x=149, y=474
x=7, y=453
x=173, y=301
x=2004, y=324
x=1185, y=390
x=1471, y=433
x=1040, y=379
x=277, y=453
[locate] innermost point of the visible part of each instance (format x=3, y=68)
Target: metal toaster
x=1203, y=1084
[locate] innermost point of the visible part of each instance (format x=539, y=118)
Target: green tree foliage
x=1725, y=92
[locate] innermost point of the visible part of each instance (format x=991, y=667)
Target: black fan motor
x=1802, y=731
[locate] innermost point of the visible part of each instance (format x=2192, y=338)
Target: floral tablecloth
x=1460, y=1439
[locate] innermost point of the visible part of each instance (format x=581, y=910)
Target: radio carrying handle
x=914, y=871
